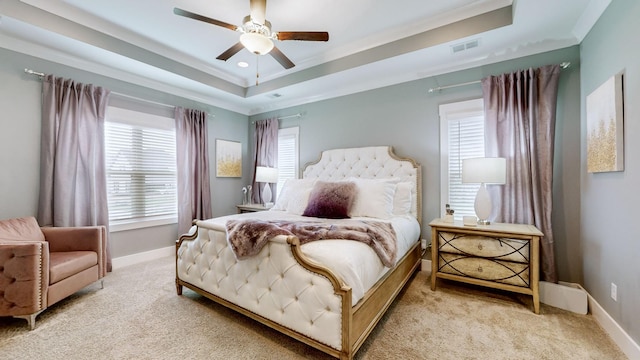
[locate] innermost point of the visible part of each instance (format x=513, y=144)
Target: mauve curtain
x=194, y=187
x=266, y=154
x=73, y=181
x=520, y=115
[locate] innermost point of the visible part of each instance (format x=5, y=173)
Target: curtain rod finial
x=31, y=72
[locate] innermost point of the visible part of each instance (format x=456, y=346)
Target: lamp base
x=482, y=205
x=266, y=194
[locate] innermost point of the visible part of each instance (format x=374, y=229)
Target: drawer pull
x=479, y=246
x=479, y=268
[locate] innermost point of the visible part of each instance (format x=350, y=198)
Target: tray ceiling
x=372, y=43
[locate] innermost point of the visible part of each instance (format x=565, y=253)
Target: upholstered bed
x=329, y=294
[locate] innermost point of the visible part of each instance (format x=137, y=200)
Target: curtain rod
x=286, y=117
x=41, y=75
x=140, y=100
x=563, y=65
x=290, y=116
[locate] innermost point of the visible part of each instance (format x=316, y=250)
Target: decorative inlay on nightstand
x=502, y=256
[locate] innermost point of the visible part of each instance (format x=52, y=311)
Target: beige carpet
x=139, y=316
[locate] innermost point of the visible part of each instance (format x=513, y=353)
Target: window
x=141, y=169
x=461, y=137
x=288, y=150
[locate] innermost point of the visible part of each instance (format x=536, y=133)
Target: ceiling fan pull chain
x=257, y=68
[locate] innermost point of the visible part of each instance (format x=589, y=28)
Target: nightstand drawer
x=505, y=272
x=484, y=246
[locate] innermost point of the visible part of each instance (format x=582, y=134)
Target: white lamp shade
x=256, y=43
x=266, y=174
x=484, y=170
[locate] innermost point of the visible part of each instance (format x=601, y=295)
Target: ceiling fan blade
x=230, y=52
x=258, y=11
x=303, y=35
x=281, y=58
x=195, y=16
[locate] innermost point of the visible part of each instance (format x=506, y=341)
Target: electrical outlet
x=614, y=292
x=423, y=244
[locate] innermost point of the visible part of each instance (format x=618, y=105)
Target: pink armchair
x=41, y=266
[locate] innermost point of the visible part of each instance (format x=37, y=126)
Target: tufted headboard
x=374, y=162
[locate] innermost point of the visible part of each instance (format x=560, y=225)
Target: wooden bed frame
x=359, y=320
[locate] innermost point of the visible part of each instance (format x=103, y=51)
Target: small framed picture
x=228, y=158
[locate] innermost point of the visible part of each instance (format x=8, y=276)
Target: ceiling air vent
x=465, y=46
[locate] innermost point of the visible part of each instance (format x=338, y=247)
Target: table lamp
x=266, y=175
x=484, y=171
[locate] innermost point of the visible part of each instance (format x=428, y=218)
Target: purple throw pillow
x=331, y=200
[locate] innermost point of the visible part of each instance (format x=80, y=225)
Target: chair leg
x=31, y=318
x=101, y=283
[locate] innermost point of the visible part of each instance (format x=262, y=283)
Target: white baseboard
x=564, y=295
x=132, y=259
x=426, y=265
x=611, y=327
x=620, y=337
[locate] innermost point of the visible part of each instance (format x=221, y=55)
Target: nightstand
x=250, y=208
x=500, y=256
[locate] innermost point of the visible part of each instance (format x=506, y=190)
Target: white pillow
x=294, y=196
x=402, y=199
x=374, y=198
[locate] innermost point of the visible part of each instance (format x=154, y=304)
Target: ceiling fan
x=256, y=34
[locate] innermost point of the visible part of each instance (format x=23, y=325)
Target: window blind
x=287, y=156
x=466, y=140
x=141, y=170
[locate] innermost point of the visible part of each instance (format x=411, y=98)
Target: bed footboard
x=283, y=289
x=279, y=287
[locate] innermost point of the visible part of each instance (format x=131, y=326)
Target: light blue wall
x=405, y=116
x=611, y=245
x=20, y=145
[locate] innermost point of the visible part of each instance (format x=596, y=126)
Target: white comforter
x=355, y=262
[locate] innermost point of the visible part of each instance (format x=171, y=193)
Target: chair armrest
x=24, y=277
x=80, y=238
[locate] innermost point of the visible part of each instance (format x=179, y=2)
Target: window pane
x=287, y=156
x=141, y=169
x=466, y=140
x=461, y=137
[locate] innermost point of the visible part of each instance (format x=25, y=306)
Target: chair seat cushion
x=67, y=263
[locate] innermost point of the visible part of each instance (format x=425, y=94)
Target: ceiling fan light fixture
x=256, y=43
x=256, y=35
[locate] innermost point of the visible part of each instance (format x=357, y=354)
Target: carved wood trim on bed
x=355, y=322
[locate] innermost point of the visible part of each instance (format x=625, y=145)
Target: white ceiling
x=372, y=43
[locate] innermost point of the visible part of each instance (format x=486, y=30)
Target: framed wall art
x=605, y=135
x=228, y=158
